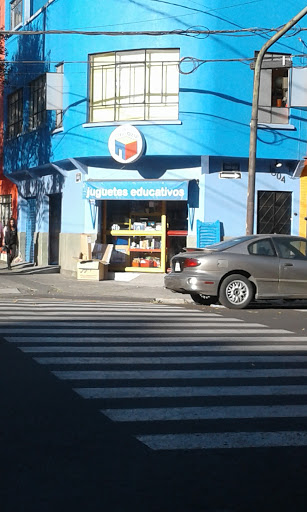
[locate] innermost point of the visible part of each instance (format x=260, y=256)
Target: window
x=262, y=248
x=14, y=114
x=293, y=249
x=5, y=209
x=37, y=110
x=222, y=246
x=273, y=94
x=134, y=85
x=16, y=13
x=59, y=112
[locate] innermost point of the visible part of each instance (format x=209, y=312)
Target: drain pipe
x=254, y=121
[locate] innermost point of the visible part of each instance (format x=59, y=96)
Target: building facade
x=137, y=139
x=8, y=190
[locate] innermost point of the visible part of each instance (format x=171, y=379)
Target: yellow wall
x=303, y=202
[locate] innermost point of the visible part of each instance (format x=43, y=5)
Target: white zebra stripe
x=175, y=348
x=224, y=440
x=178, y=374
x=116, y=332
x=189, y=391
x=273, y=340
x=142, y=324
x=165, y=360
x=112, y=315
x=206, y=413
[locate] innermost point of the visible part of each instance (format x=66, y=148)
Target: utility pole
x=254, y=121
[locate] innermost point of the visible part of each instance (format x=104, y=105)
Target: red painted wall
x=6, y=186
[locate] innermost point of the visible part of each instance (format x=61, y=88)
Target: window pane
x=130, y=56
x=16, y=13
x=37, y=114
x=261, y=248
x=130, y=112
x=162, y=112
x=292, y=249
x=130, y=84
x=15, y=114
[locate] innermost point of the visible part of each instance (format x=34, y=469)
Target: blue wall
x=214, y=104
x=215, y=100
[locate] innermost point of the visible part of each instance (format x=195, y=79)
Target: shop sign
x=136, y=190
x=126, y=144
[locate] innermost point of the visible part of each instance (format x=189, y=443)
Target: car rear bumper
x=185, y=283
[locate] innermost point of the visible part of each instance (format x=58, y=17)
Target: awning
x=153, y=190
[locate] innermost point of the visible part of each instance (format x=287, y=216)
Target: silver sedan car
x=242, y=269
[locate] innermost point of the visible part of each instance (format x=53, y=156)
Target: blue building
x=137, y=139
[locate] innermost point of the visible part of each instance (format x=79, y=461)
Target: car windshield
x=222, y=246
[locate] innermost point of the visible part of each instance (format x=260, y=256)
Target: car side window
x=262, y=248
x=292, y=249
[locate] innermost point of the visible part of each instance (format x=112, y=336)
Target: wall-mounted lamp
x=278, y=164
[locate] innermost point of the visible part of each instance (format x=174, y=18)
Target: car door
x=292, y=266
x=264, y=267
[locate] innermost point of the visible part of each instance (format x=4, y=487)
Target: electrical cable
x=184, y=32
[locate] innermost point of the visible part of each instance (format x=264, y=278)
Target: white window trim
x=133, y=123
x=268, y=126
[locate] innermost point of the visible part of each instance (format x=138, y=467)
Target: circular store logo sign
x=126, y=144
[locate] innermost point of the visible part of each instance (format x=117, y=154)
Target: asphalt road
x=59, y=452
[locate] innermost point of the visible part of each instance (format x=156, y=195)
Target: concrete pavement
x=121, y=286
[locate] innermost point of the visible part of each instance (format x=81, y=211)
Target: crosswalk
x=174, y=378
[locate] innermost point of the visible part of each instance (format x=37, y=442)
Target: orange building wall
x=6, y=186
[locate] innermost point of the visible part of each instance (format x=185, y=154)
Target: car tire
x=236, y=292
x=204, y=300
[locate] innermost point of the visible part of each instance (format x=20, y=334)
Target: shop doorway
x=145, y=234
x=55, y=215
x=274, y=212
x=177, y=228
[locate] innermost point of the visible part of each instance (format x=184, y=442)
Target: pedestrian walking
x=11, y=241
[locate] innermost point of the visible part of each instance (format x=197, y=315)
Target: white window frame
x=16, y=10
x=134, y=86
x=59, y=112
x=274, y=89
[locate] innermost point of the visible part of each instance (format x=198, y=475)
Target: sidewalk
x=125, y=286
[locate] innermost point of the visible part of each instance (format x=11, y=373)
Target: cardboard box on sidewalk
x=92, y=270
x=95, y=269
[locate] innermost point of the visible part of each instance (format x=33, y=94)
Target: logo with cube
x=126, y=144
x=126, y=148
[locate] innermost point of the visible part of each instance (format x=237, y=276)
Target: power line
x=180, y=32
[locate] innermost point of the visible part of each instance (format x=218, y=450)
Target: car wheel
x=205, y=300
x=236, y=292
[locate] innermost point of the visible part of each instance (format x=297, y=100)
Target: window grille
x=15, y=114
x=37, y=110
x=5, y=209
x=134, y=85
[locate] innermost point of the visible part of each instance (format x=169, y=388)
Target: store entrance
x=145, y=234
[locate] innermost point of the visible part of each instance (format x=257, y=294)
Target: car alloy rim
x=237, y=292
